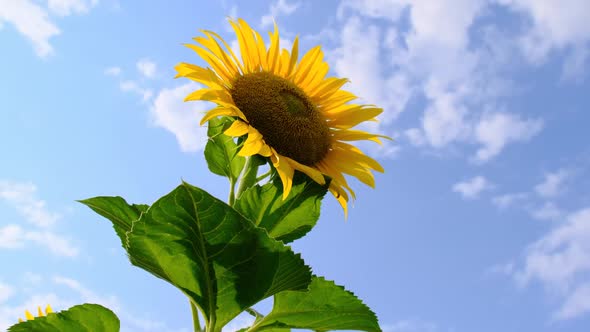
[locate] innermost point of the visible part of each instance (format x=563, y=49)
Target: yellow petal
x=215, y=63
x=352, y=117
x=346, y=152
x=40, y=312
x=339, y=98
x=340, y=196
x=20, y=320
x=307, y=64
x=28, y=315
x=219, y=111
x=356, y=135
x=203, y=94
x=237, y=128
x=198, y=74
x=294, y=56
x=227, y=47
x=48, y=309
x=328, y=87
x=273, y=51
x=313, y=173
x=285, y=173
x=265, y=151
x=212, y=45
x=253, y=143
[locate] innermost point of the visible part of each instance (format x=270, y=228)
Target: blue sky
x=481, y=221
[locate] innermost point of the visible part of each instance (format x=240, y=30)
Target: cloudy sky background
x=480, y=223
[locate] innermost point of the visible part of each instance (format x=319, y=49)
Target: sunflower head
x=285, y=107
x=29, y=316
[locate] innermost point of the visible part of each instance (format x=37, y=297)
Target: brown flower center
x=284, y=115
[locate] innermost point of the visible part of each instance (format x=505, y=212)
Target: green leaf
x=324, y=307
x=80, y=318
x=221, y=152
x=214, y=255
x=285, y=220
x=117, y=210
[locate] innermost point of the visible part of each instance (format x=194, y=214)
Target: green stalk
x=232, y=195
x=248, y=176
x=196, y=323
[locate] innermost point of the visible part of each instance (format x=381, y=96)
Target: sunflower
x=290, y=111
x=40, y=313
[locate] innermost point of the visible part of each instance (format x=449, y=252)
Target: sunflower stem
x=263, y=176
x=196, y=323
x=232, y=195
x=248, y=177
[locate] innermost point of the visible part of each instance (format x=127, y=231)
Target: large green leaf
x=80, y=318
x=118, y=211
x=221, y=152
x=285, y=220
x=208, y=250
x=324, y=307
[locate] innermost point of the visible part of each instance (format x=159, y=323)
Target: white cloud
x=113, y=71
x=73, y=292
x=280, y=7
x=374, y=8
x=32, y=21
x=444, y=119
x=560, y=261
x=170, y=112
x=22, y=196
x=146, y=67
x=359, y=59
x=471, y=189
x=496, y=130
x=132, y=86
x=553, y=25
x=549, y=211
x=69, y=7
x=506, y=200
x=6, y=291
x=13, y=236
x=9, y=314
x=434, y=58
x=577, y=303
x=129, y=321
x=410, y=325
x=554, y=183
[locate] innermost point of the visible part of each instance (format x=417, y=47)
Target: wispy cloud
x=280, y=7
x=553, y=26
x=146, y=67
x=553, y=184
x=133, y=86
x=113, y=71
x=170, y=112
x=548, y=211
x=507, y=200
x=32, y=20
x=560, y=260
x=496, y=130
x=69, y=7
x=471, y=189
x=23, y=197
x=41, y=221
x=410, y=325
x=13, y=236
